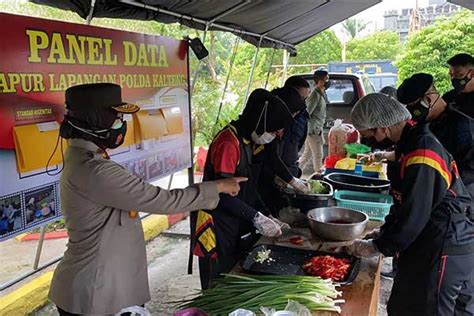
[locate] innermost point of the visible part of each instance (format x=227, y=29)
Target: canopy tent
x=271, y=23
x=469, y=4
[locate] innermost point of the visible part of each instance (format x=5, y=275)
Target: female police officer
x=104, y=268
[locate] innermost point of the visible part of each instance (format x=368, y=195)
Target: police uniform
x=104, y=268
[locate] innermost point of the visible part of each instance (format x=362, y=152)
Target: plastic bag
x=297, y=308
x=135, y=310
x=354, y=149
x=339, y=135
x=242, y=312
x=293, y=308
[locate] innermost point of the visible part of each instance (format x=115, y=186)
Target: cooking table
x=362, y=295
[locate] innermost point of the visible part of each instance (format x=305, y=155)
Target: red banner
x=40, y=59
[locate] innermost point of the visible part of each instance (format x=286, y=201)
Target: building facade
x=407, y=20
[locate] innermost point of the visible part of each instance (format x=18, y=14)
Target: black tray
x=289, y=261
x=341, y=181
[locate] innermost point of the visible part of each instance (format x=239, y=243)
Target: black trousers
x=209, y=269
x=64, y=313
x=445, y=287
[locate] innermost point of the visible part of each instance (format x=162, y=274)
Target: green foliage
x=319, y=49
x=352, y=27
x=379, y=45
x=428, y=50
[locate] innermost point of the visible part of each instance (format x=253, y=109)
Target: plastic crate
x=375, y=205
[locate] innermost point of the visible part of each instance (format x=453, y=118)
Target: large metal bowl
x=320, y=223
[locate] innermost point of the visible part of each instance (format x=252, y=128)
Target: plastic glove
x=266, y=226
x=300, y=185
x=373, y=234
x=283, y=226
x=362, y=248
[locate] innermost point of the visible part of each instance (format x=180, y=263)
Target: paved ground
x=169, y=282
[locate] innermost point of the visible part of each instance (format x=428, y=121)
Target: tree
x=352, y=27
x=429, y=49
x=319, y=49
x=379, y=45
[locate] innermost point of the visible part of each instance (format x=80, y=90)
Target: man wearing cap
x=454, y=129
x=428, y=224
x=461, y=71
x=104, y=268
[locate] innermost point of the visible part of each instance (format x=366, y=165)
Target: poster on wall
x=39, y=60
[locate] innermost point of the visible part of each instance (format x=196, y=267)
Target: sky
x=374, y=15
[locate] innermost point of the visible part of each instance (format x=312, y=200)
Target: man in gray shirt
x=317, y=116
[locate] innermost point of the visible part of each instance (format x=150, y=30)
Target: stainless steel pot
x=337, y=223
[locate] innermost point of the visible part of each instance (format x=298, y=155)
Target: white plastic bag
x=135, y=310
x=242, y=312
x=339, y=135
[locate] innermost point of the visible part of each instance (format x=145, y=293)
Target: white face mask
x=266, y=137
x=263, y=139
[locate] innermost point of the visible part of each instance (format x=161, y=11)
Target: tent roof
x=274, y=23
x=277, y=23
x=469, y=4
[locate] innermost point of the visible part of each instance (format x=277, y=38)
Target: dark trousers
x=445, y=287
x=64, y=313
x=210, y=270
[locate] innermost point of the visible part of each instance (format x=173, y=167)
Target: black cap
x=97, y=96
x=291, y=97
x=414, y=87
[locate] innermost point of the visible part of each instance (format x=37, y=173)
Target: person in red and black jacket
x=429, y=225
x=221, y=236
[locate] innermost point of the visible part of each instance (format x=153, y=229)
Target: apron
x=217, y=234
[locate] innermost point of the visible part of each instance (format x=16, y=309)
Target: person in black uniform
x=461, y=71
x=294, y=93
x=453, y=128
x=280, y=157
x=220, y=237
x=430, y=224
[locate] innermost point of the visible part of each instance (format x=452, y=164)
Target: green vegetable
x=317, y=187
x=251, y=292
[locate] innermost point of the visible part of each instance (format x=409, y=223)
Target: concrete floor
x=169, y=281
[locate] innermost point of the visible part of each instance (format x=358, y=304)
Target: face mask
x=460, y=84
x=419, y=111
x=106, y=138
x=114, y=133
x=266, y=137
x=372, y=142
x=327, y=84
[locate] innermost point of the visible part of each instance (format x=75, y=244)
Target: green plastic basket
x=375, y=205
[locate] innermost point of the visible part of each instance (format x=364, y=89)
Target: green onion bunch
x=273, y=291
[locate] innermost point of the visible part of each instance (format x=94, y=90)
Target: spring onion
x=273, y=291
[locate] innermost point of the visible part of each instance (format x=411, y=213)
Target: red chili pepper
x=327, y=267
x=297, y=240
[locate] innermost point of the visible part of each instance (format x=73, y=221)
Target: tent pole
x=285, y=66
x=91, y=13
x=249, y=83
x=269, y=68
x=208, y=25
x=231, y=64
